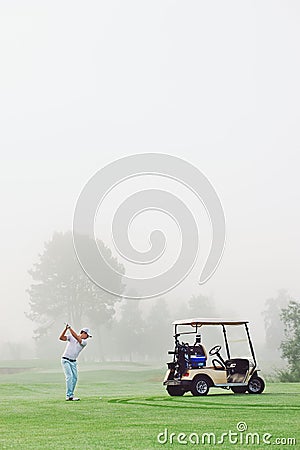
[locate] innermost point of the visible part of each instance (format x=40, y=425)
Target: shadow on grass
x=237, y=401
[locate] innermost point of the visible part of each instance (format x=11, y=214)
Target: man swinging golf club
x=76, y=343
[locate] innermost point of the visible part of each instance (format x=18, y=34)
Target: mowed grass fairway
x=125, y=406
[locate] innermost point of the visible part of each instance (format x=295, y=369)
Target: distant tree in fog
x=61, y=288
x=274, y=326
x=290, y=345
x=158, y=331
x=197, y=306
x=130, y=331
x=201, y=306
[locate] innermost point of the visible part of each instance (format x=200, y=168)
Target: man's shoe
x=75, y=399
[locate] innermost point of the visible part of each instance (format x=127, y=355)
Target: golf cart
x=189, y=370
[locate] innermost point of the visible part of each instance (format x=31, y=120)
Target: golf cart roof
x=197, y=321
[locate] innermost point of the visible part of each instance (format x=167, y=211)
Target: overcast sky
x=215, y=83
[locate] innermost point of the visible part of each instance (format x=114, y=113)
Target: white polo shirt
x=73, y=347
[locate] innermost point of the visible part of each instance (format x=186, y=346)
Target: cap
x=87, y=331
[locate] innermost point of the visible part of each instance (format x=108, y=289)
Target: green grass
x=134, y=407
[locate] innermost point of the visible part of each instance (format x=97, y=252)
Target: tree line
x=122, y=330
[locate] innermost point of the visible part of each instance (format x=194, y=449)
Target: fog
x=217, y=84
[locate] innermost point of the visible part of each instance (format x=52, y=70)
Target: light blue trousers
x=70, y=369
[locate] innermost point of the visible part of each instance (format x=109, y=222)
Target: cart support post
x=250, y=344
x=226, y=342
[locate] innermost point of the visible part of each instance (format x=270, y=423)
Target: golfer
x=76, y=343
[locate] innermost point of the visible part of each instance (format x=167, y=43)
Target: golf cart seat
x=237, y=370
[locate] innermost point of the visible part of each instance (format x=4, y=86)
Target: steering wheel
x=215, y=350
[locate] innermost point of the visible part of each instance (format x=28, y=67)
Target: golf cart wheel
x=256, y=385
x=175, y=391
x=200, y=386
x=239, y=389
